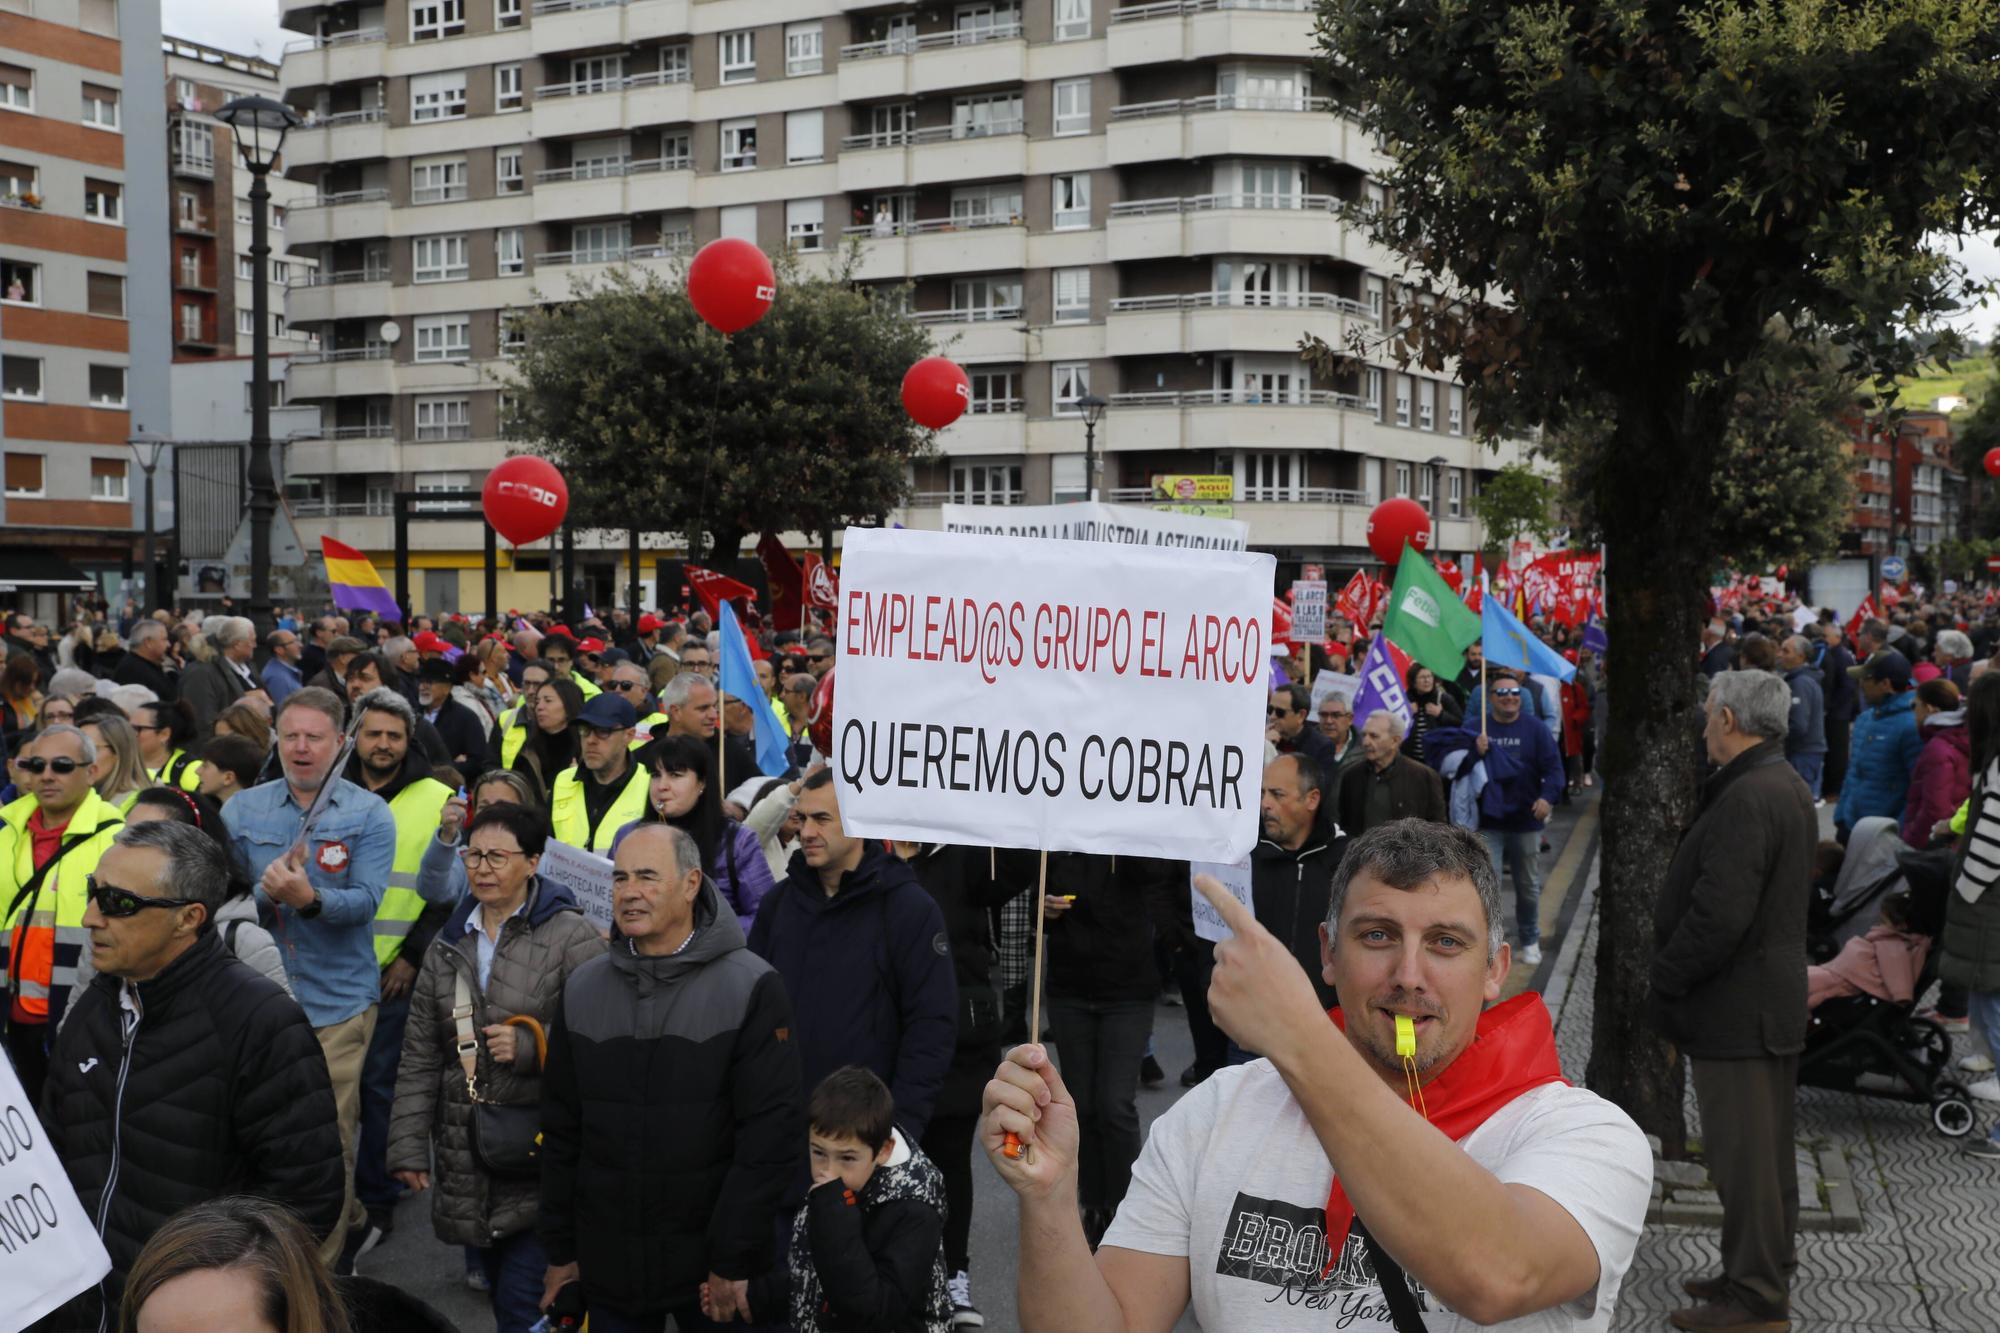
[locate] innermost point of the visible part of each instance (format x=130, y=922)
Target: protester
x=670, y=1130
x=1941, y=780
x=246, y=719
x=229, y=766
x=1432, y=708
x=606, y=789
x=1718, y=654
x=212, y=686
x=1842, y=694
x=218, y=1089
x=282, y=670
x=235, y=918
x=549, y=749
x=462, y=728
x=773, y=817
x=1728, y=988
x=681, y=791
x=238, y=1263
x=20, y=701
x=166, y=729
x=1389, y=785
x=340, y=654
x=1806, y=726
x=1336, y=723
x=511, y=727
x=1884, y=744
x=692, y=705
x=117, y=775
x=1970, y=944
x=501, y=960
x=1289, y=730
x=145, y=661
x=1291, y=867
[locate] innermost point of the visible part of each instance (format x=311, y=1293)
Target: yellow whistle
x=1406, y=1037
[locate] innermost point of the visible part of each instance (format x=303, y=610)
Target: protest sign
x=997, y=691
x=1122, y=525
x=588, y=876
x=1308, y=610
x=1328, y=684
x=49, y=1251
x=1208, y=923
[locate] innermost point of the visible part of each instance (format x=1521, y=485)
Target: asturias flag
x=1509, y=643
x=739, y=681
x=355, y=584
x=1427, y=620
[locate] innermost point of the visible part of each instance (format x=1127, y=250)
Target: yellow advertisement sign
x=1186, y=489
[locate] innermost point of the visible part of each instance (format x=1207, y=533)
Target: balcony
x=1179, y=30
x=198, y=225
x=198, y=165
x=933, y=155
x=990, y=333
x=591, y=25
x=1203, y=322
x=343, y=57
x=352, y=215
x=348, y=371
x=612, y=188
x=905, y=66
x=974, y=244
x=1227, y=419
x=193, y=278
x=1241, y=224
x=1236, y=125
x=338, y=294
x=611, y=106
x=348, y=136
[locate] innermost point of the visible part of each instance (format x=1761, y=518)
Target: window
x=600, y=242
x=93, y=16
x=986, y=298
x=805, y=136
x=1403, y=391
x=443, y=419
x=985, y=483
x=510, y=252
x=739, y=56
x=1072, y=106
x=596, y=74
x=435, y=180
x=507, y=175
x=1427, y=404
x=993, y=113
x=17, y=89
x=107, y=386
x=1403, y=480
x=506, y=13
x=107, y=475
x=1455, y=409
x=740, y=221
x=246, y=267
x=507, y=94
x=438, y=96
x=1070, y=380
x=1072, y=202
x=986, y=21
x=21, y=282
x=24, y=475
x=598, y=159
x=439, y=259
x=243, y=218
x=676, y=65
x=246, y=324
x=739, y=144
x=986, y=205
x=281, y=272
x=513, y=336
x=21, y=377
x=277, y=217
x=103, y=200
x=676, y=150
x=16, y=179
x=995, y=391
x=1273, y=476
x=443, y=337
x=677, y=233
x=1375, y=290
x=431, y=19
x=1454, y=492
x=277, y=395
x=802, y=48
x=1072, y=295
x=443, y=481
x=1372, y=390
x=100, y=106
x=1425, y=480
x=1072, y=20
x=805, y=223
x=184, y=97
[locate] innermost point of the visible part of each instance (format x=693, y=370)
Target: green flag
x=1426, y=619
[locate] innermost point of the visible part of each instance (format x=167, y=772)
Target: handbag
x=506, y=1138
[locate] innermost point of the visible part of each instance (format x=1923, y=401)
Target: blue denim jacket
x=330, y=958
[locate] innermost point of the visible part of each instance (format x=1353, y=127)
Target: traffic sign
x=1993, y=564
x=1893, y=568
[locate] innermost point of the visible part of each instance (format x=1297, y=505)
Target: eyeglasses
x=62, y=764
x=819, y=657
x=112, y=901
x=141, y=726
x=1507, y=694
x=622, y=685
x=599, y=732
x=1277, y=712
x=1329, y=714
x=474, y=858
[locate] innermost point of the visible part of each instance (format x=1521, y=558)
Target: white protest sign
x=1208, y=923
x=1308, y=610
x=1333, y=684
x=49, y=1251
x=1125, y=525
x=586, y=874
x=1018, y=693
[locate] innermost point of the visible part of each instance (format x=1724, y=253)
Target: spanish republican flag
x=356, y=586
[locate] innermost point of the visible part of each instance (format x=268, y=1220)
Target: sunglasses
x=1506, y=694
x=622, y=685
x=117, y=903
x=1278, y=712
x=819, y=657
x=62, y=764
x=599, y=732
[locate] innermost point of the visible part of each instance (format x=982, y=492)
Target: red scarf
x=1513, y=1051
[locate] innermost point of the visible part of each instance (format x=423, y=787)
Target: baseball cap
x=433, y=668
x=1887, y=665
x=592, y=646
x=608, y=712
x=563, y=631
x=651, y=624
x=428, y=642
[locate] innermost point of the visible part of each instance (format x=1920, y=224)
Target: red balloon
x=1993, y=462
x=525, y=499
x=819, y=721
x=731, y=284
x=1395, y=522
x=936, y=392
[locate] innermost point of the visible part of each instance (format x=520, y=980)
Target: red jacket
x=1942, y=778
x=1576, y=716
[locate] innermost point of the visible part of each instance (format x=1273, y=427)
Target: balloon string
x=708, y=450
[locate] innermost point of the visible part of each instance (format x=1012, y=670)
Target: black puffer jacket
x=1289, y=892
x=1101, y=948
x=964, y=883
x=673, y=1118
x=224, y=1091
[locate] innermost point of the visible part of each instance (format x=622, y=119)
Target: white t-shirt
x=1234, y=1171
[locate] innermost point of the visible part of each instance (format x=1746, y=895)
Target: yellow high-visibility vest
x=570, y=821
x=417, y=809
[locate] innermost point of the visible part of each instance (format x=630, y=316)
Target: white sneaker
x=1531, y=954
x=1986, y=1090
x=1976, y=1064
x=963, y=1312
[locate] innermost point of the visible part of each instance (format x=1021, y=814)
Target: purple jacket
x=1942, y=778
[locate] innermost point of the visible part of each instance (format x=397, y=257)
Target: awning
x=38, y=571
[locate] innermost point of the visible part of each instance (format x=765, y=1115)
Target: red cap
x=428, y=642
x=591, y=646
x=650, y=623
x=562, y=631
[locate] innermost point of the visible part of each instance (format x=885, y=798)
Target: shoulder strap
x=466, y=1040
x=229, y=935
x=1395, y=1286
x=34, y=882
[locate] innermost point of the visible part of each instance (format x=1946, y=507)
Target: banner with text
x=49, y=1251
x=1019, y=693
x=588, y=876
x=1123, y=525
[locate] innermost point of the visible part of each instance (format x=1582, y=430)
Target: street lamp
x=259, y=125
x=1093, y=412
x=146, y=452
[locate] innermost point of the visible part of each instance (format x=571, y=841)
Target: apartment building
x=1909, y=496
x=1132, y=201
x=83, y=299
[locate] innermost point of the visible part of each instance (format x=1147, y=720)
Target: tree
x=657, y=422
x=1514, y=502
x=1607, y=211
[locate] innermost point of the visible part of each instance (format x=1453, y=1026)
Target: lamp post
x=1093, y=412
x=1435, y=466
x=146, y=452
x=259, y=125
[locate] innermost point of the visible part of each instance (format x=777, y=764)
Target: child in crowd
x=1885, y=962
x=867, y=1247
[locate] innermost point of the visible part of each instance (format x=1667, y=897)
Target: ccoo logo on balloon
x=540, y=495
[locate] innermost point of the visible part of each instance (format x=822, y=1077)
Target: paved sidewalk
x=1928, y=1253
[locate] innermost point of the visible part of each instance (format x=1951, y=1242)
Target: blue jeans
x=1810, y=768
x=1984, y=1011
x=1520, y=854
x=372, y=1182
x=514, y=1270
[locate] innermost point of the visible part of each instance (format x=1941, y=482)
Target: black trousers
x=1192, y=969
x=1835, y=772
x=948, y=1142
x=1099, y=1044
x=1746, y=1124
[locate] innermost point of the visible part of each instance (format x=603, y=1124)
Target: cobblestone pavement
x=1928, y=1254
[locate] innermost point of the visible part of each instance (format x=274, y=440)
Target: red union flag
x=1862, y=613
x=822, y=586
x=712, y=589
x=1356, y=600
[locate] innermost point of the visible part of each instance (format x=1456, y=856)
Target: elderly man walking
x=1805, y=731
x=1729, y=988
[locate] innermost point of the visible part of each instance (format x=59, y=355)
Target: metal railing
x=332, y=509
x=366, y=116
x=902, y=46
x=1172, y=8
x=571, y=6
x=345, y=197
x=324, y=278
x=1239, y=398
x=990, y=314
x=933, y=134
x=638, y=166
x=1240, y=301
x=333, y=39
x=931, y=499
x=651, y=78
x=630, y=252
x=1206, y=203
x=1220, y=102
x=978, y=222
x=374, y=351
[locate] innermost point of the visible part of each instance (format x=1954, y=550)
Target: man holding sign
x=1418, y=1152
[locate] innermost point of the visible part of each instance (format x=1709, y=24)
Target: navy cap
x=608, y=712
x=1891, y=666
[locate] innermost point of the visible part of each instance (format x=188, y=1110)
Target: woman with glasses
x=551, y=744
x=684, y=794
x=504, y=953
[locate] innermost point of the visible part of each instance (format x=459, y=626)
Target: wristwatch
x=311, y=909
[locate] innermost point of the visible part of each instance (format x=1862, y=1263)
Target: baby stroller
x=1876, y=1047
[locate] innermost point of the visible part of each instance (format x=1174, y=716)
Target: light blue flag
x=1509, y=643
x=739, y=680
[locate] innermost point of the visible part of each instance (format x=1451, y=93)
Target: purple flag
x=1383, y=672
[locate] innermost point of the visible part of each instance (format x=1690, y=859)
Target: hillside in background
x=1970, y=378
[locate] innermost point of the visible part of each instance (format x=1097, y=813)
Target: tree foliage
x=657, y=422
x=1514, y=502
x=1607, y=210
